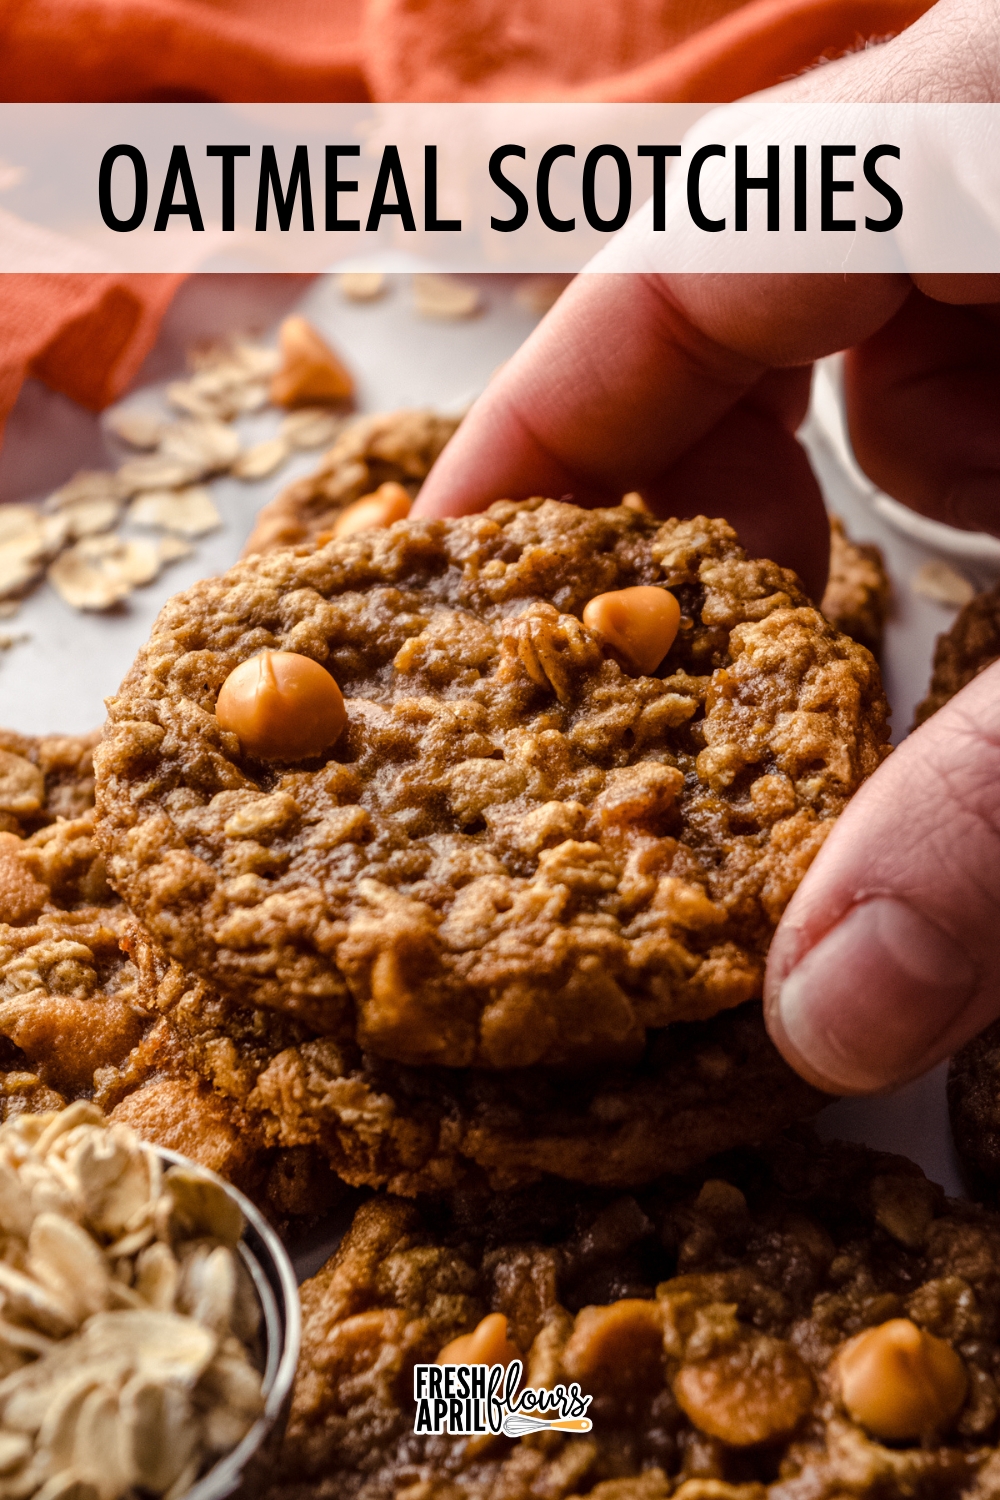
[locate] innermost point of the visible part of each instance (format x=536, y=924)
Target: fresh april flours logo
x=463, y=1400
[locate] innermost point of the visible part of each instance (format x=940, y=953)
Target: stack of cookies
x=447, y=855
x=511, y=920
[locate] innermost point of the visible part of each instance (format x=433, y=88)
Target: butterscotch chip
x=388, y=504
x=487, y=1344
x=282, y=707
x=309, y=371
x=705, y=1318
x=900, y=1382
x=516, y=853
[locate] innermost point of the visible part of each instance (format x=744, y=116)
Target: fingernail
x=864, y=1008
x=974, y=503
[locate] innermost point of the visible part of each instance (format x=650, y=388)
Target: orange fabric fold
x=87, y=335
x=695, y=51
x=83, y=335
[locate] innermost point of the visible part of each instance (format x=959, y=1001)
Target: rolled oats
x=361, y=286
x=444, y=297
x=941, y=582
x=118, y=1371
x=188, y=512
x=139, y=429
x=99, y=571
x=211, y=444
x=311, y=427
x=262, y=459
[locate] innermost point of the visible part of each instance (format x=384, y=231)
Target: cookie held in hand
x=519, y=851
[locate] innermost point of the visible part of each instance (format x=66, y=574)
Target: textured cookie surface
x=703, y=1317
x=858, y=592
x=73, y=1024
x=968, y=648
x=974, y=1106
x=400, y=446
x=44, y=777
x=516, y=853
x=698, y=1088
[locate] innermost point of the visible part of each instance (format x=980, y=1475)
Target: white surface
x=59, y=677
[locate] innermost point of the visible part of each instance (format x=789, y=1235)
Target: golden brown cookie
x=397, y=446
x=710, y=1321
x=44, y=777
x=517, y=853
x=968, y=648
x=72, y=1022
x=974, y=1107
x=858, y=592
x=698, y=1088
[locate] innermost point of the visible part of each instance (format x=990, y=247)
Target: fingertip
x=873, y=1002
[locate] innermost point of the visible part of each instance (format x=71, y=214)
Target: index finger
x=628, y=372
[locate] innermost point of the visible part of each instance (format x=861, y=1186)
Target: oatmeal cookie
x=706, y=1318
x=968, y=648
x=44, y=777
x=974, y=1107
x=698, y=1088
x=400, y=446
x=858, y=592
x=516, y=853
x=73, y=1024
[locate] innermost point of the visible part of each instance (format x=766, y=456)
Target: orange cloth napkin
x=88, y=335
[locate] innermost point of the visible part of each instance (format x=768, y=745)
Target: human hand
x=689, y=389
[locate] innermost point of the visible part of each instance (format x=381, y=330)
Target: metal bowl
x=244, y=1472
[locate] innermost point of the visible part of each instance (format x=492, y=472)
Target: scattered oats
x=18, y=521
x=9, y=608
x=7, y=640
x=539, y=293
x=172, y=548
x=208, y=444
x=944, y=584
x=209, y=354
x=189, y=512
x=259, y=363
x=158, y=471
x=361, y=286
x=22, y=558
x=88, y=484
x=100, y=571
x=228, y=380
x=311, y=427
x=139, y=429
x=444, y=297
x=262, y=459
x=184, y=396
x=87, y=517
x=251, y=398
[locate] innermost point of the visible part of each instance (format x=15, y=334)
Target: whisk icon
x=518, y=1424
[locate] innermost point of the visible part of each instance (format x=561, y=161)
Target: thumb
x=887, y=958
